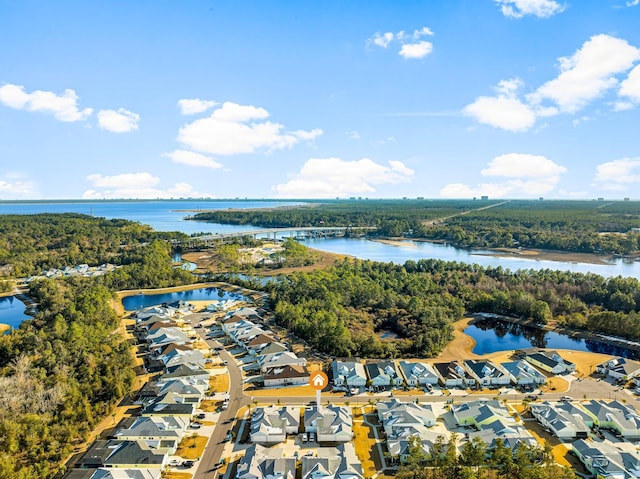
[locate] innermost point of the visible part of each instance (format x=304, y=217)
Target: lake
x=493, y=335
x=12, y=311
x=131, y=303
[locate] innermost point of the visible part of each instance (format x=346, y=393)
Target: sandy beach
x=547, y=255
x=4, y=327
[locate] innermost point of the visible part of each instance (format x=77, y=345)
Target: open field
x=192, y=447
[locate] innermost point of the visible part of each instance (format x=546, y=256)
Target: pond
x=131, y=303
x=493, y=335
x=12, y=311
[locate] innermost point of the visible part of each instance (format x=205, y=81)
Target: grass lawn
x=219, y=383
x=177, y=475
x=192, y=447
x=365, y=444
x=210, y=406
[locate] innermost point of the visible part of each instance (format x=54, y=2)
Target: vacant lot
x=219, y=383
x=365, y=444
x=191, y=447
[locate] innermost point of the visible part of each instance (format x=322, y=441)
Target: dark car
x=188, y=463
x=531, y=397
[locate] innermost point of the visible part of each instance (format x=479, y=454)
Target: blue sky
x=290, y=99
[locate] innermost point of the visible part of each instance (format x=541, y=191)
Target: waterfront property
x=486, y=373
x=550, y=361
x=619, y=368
x=522, y=373
x=452, y=374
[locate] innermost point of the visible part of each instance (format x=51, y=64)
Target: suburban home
x=348, y=373
x=271, y=348
x=486, y=373
x=159, y=432
x=338, y=462
x=288, y=375
x=143, y=314
x=179, y=356
x=513, y=435
x=282, y=358
x=122, y=454
x=395, y=414
x=221, y=305
x=238, y=335
x=330, y=423
x=550, y=361
x=194, y=374
x=245, y=313
x=254, y=345
x=270, y=425
x=383, y=374
x=399, y=442
x=159, y=408
x=452, y=375
x=418, y=374
x=236, y=323
x=105, y=473
x=183, y=389
x=479, y=413
x=260, y=462
x=614, y=415
x=164, y=336
x=521, y=373
x=619, y=368
x=605, y=461
x=563, y=420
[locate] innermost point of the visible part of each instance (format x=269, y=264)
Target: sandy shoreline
x=4, y=327
x=546, y=255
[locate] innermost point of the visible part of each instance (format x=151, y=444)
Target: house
x=348, y=373
x=383, y=374
x=605, y=461
x=282, y=358
x=399, y=441
x=330, y=423
x=418, y=374
x=238, y=335
x=182, y=388
x=159, y=432
x=182, y=356
x=522, y=373
x=245, y=313
x=270, y=425
x=221, y=305
x=196, y=375
x=122, y=454
x=254, y=345
x=395, y=414
x=550, y=361
x=564, y=420
x=338, y=462
x=486, y=373
x=513, y=435
x=619, y=368
x=159, y=408
x=260, y=462
x=271, y=348
x=287, y=375
x=236, y=323
x=163, y=336
x=452, y=375
x=479, y=413
x=616, y=416
x=105, y=473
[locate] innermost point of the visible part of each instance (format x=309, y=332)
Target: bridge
x=297, y=232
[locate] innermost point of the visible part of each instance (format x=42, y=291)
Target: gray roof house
x=122, y=454
x=604, y=460
x=270, y=425
x=486, y=373
x=452, y=375
x=338, y=462
x=550, y=361
x=159, y=432
x=260, y=462
x=383, y=373
x=330, y=423
x=349, y=373
x=479, y=413
x=396, y=414
x=283, y=358
x=417, y=374
x=615, y=415
x=563, y=420
x=522, y=373
x=513, y=435
x=619, y=368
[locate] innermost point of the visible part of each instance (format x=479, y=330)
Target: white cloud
x=233, y=129
x=64, y=107
x=195, y=105
x=16, y=187
x=588, y=73
x=330, y=177
x=416, y=50
x=353, y=135
x=633, y=3
x=411, y=47
x=526, y=175
x=503, y=111
x=382, y=39
x=192, y=158
x=522, y=165
x=537, y=8
x=118, y=121
x=136, y=185
x=618, y=175
x=631, y=86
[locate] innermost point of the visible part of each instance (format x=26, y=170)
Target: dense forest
x=345, y=310
x=64, y=370
x=30, y=244
x=580, y=226
x=477, y=461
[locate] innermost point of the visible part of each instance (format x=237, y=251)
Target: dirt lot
x=365, y=444
x=219, y=383
x=192, y=447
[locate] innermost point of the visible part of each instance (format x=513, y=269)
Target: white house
x=522, y=373
x=560, y=421
x=418, y=374
x=619, y=368
x=330, y=423
x=279, y=359
x=261, y=462
x=287, y=375
x=270, y=425
x=383, y=373
x=551, y=362
x=487, y=373
x=348, y=373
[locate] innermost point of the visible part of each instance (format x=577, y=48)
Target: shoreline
x=4, y=328
x=531, y=253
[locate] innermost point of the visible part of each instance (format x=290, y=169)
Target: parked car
x=175, y=462
x=566, y=398
x=195, y=425
x=201, y=415
x=305, y=438
x=312, y=437
x=188, y=463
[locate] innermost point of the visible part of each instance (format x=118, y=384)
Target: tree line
x=579, y=226
x=346, y=309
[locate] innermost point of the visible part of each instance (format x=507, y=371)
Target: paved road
x=213, y=452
